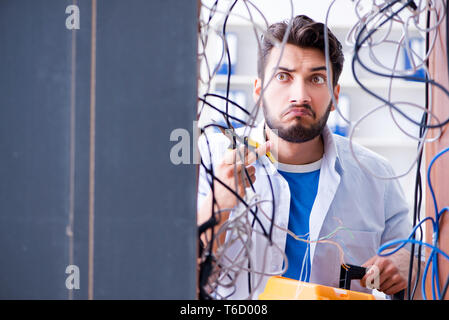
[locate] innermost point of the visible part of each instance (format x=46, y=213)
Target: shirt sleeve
x=204, y=179
x=211, y=148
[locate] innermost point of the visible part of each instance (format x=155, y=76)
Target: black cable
x=225, y=114
x=358, y=46
x=416, y=218
x=418, y=184
x=208, y=171
x=446, y=285
x=212, y=11
x=271, y=188
x=228, y=82
x=205, y=267
x=436, y=281
x=228, y=100
x=215, y=125
x=423, y=125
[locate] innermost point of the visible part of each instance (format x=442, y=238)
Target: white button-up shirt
x=366, y=211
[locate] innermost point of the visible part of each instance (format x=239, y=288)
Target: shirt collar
x=331, y=150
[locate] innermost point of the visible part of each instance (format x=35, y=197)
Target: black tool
x=350, y=272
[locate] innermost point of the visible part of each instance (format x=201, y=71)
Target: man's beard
x=297, y=133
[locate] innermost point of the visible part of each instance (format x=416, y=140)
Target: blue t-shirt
x=303, y=183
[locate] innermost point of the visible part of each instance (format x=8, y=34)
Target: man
x=312, y=185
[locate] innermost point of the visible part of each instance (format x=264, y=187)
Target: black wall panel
x=144, y=206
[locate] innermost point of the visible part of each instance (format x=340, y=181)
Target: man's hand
x=230, y=172
x=392, y=271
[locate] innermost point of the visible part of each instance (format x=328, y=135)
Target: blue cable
x=430, y=180
x=435, y=273
x=433, y=257
x=405, y=241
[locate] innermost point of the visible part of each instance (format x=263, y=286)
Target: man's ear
x=336, y=95
x=257, y=89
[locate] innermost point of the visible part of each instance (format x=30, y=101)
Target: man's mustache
x=305, y=106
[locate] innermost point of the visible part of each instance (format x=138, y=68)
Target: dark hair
x=304, y=33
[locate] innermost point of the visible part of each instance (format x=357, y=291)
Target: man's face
x=297, y=101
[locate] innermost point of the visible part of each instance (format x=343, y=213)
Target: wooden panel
x=440, y=170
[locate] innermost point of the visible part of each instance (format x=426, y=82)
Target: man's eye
x=318, y=79
x=282, y=76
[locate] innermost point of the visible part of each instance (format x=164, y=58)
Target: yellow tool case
x=280, y=288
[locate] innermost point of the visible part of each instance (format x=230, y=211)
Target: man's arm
x=231, y=180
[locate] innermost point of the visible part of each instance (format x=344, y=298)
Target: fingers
x=370, y=262
x=236, y=171
x=383, y=275
x=260, y=151
x=371, y=279
x=236, y=156
x=391, y=281
x=231, y=171
x=248, y=176
x=393, y=285
x=369, y=276
x=239, y=176
x=244, y=155
x=251, y=170
x=394, y=289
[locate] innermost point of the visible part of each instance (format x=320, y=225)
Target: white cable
x=238, y=229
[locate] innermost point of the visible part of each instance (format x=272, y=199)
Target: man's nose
x=299, y=93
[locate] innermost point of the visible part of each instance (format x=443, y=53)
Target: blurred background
x=378, y=131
